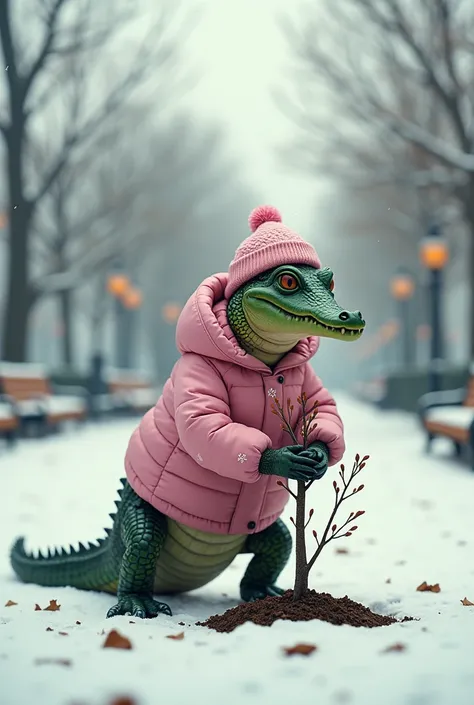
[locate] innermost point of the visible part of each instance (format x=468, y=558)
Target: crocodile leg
x=271, y=548
x=143, y=532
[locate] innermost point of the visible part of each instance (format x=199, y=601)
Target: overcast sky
x=244, y=56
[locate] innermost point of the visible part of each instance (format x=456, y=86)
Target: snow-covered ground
x=418, y=527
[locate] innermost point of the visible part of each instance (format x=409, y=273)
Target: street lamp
x=171, y=312
x=434, y=256
x=118, y=285
x=402, y=287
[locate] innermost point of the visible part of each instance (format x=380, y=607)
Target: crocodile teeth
x=343, y=330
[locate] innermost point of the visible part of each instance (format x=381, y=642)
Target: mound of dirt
x=313, y=605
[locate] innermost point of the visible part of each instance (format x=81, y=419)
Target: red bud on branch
x=333, y=528
x=315, y=534
x=357, y=457
x=366, y=457
x=348, y=534
x=353, y=528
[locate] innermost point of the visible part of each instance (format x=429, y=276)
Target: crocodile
x=146, y=553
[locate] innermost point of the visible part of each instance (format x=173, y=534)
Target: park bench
x=36, y=402
x=450, y=414
x=128, y=391
x=9, y=422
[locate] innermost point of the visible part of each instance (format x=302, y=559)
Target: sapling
x=332, y=530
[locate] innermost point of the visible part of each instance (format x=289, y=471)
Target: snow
x=418, y=527
x=21, y=370
x=459, y=416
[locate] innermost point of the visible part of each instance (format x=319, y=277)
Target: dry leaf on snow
x=123, y=700
x=303, y=649
x=424, y=587
x=176, y=637
x=394, y=647
x=342, y=550
x=52, y=607
x=58, y=661
x=10, y=603
x=38, y=608
x=78, y=622
x=49, y=629
x=63, y=633
x=467, y=603
x=115, y=640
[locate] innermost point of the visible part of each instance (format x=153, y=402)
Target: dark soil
x=314, y=605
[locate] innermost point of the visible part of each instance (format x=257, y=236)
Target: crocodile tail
x=87, y=568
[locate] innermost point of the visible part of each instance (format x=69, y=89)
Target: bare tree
x=398, y=76
x=37, y=77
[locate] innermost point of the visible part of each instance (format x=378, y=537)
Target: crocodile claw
x=139, y=606
x=251, y=593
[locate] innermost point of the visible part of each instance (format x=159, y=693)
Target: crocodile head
x=272, y=312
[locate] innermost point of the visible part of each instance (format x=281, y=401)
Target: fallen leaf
x=130, y=621
x=49, y=629
x=303, y=649
x=37, y=608
x=78, y=622
x=394, y=647
x=176, y=637
x=181, y=624
x=63, y=633
x=58, y=661
x=467, y=603
x=52, y=607
x=388, y=581
x=115, y=640
x=342, y=550
x=10, y=603
x=123, y=700
x=424, y=587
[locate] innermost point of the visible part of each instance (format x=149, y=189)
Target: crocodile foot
x=139, y=606
x=250, y=593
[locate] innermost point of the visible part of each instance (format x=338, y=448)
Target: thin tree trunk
x=469, y=216
x=18, y=299
x=67, y=339
x=301, y=573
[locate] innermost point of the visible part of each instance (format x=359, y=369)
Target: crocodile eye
x=288, y=282
x=331, y=285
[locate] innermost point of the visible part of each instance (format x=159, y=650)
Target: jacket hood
x=203, y=329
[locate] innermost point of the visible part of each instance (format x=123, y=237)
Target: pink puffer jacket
x=195, y=455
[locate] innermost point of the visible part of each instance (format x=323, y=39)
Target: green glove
x=291, y=462
x=320, y=453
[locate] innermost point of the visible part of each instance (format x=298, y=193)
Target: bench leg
x=10, y=438
x=458, y=449
x=429, y=441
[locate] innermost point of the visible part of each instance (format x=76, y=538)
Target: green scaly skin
x=145, y=553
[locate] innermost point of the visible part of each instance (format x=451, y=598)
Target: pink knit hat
x=270, y=245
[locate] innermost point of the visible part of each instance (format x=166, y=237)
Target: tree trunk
x=67, y=339
x=18, y=299
x=301, y=573
x=469, y=215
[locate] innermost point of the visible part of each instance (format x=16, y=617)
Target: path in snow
x=418, y=526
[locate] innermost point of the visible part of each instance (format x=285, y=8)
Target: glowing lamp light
x=434, y=252
x=133, y=299
x=402, y=287
x=423, y=331
x=118, y=284
x=171, y=312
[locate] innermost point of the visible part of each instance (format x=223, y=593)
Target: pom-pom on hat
x=270, y=245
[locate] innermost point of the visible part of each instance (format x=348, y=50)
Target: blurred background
x=136, y=137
